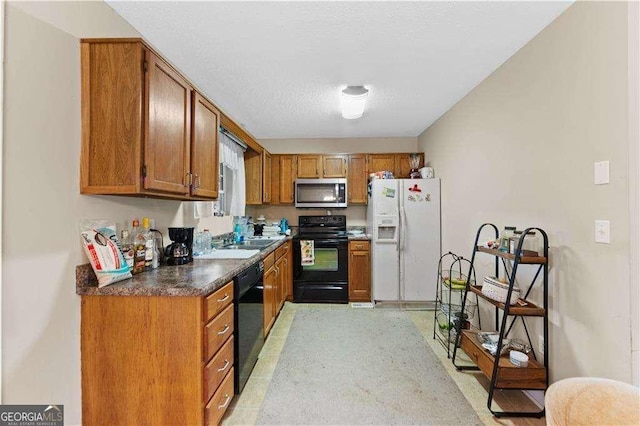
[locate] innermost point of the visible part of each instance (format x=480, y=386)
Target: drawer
x=359, y=245
x=219, y=402
x=282, y=250
x=217, y=301
x=217, y=332
x=269, y=260
x=217, y=369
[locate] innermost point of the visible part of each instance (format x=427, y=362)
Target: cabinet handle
x=226, y=296
x=226, y=364
x=196, y=181
x=226, y=328
x=225, y=402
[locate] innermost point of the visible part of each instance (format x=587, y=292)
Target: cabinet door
x=266, y=177
x=289, y=272
x=403, y=165
x=309, y=166
x=359, y=271
x=269, y=284
x=287, y=166
x=334, y=166
x=358, y=179
x=168, y=128
x=380, y=162
x=204, y=147
x=253, y=177
x=112, y=93
x=281, y=280
x=275, y=179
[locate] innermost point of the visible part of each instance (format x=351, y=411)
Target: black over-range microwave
x=321, y=193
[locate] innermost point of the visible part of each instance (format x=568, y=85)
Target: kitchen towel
x=308, y=255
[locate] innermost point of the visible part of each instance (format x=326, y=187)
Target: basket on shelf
x=457, y=280
x=495, y=290
x=451, y=309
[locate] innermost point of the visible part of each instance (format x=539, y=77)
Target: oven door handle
x=334, y=241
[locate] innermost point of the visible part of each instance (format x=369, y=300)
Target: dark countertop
x=199, y=278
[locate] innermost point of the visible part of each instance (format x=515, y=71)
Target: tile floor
x=244, y=409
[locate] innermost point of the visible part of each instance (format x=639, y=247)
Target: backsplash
x=356, y=215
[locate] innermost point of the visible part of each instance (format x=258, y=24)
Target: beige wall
x=520, y=148
x=356, y=215
x=41, y=203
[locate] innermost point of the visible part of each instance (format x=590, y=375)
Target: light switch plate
x=601, y=173
x=603, y=231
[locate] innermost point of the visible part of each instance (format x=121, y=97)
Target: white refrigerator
x=404, y=218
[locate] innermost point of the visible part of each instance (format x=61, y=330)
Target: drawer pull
x=226, y=364
x=226, y=328
x=225, y=402
x=226, y=296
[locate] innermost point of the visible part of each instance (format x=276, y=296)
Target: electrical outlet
x=541, y=343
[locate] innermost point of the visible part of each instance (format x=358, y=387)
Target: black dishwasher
x=249, y=317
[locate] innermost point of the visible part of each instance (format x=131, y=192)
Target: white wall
x=41, y=202
x=520, y=148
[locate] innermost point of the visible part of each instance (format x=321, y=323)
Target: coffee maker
x=181, y=250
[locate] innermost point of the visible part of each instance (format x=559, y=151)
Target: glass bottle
x=139, y=246
x=504, y=238
x=126, y=245
x=149, y=243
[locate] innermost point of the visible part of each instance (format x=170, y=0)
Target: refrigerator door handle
x=402, y=225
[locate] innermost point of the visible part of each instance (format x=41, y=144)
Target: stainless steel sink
x=249, y=244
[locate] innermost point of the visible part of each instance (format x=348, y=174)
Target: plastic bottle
x=126, y=245
x=197, y=244
x=149, y=243
x=139, y=246
x=237, y=233
x=206, y=241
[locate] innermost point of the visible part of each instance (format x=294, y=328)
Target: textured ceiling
x=278, y=67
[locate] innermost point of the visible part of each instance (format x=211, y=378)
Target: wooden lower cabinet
x=277, y=282
x=154, y=360
x=359, y=271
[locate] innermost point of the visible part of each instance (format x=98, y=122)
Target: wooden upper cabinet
x=309, y=166
x=266, y=177
x=358, y=179
x=403, y=165
x=144, y=129
x=112, y=94
x=275, y=179
x=204, y=147
x=253, y=176
x=334, y=166
x=380, y=162
x=287, y=176
x=168, y=136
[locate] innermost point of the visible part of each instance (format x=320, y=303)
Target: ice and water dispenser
x=386, y=229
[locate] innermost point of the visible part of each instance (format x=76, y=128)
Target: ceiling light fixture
x=353, y=100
